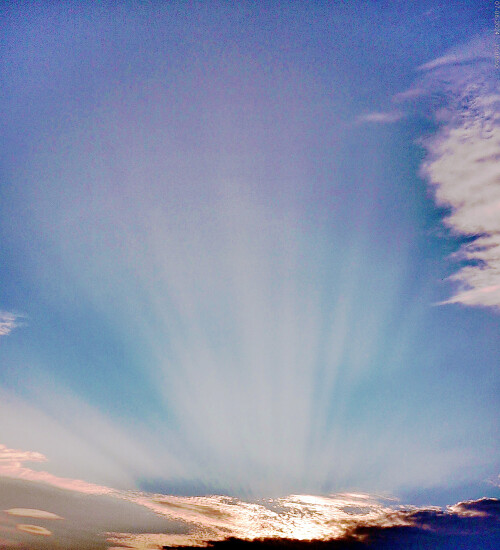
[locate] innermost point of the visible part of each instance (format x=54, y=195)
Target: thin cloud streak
x=381, y=118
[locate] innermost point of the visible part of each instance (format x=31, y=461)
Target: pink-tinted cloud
x=34, y=530
x=11, y=465
x=31, y=513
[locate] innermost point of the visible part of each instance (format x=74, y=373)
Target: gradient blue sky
x=227, y=233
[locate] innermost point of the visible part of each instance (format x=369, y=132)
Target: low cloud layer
x=339, y=521
x=344, y=520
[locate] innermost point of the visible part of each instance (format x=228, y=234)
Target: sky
x=248, y=250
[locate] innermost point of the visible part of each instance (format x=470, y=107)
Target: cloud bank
x=218, y=521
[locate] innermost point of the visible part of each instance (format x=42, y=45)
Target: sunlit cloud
x=337, y=518
x=34, y=530
x=209, y=519
x=299, y=517
x=31, y=513
x=472, y=508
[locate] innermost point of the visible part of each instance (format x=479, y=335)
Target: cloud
x=411, y=93
x=346, y=524
x=478, y=49
x=296, y=516
x=34, y=530
x=482, y=507
x=8, y=322
x=463, y=163
x=354, y=518
x=31, y=513
x=381, y=118
x=11, y=465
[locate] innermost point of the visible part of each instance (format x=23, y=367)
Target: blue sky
x=252, y=249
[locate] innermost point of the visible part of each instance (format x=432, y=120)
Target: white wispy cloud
x=8, y=322
x=411, y=93
x=479, y=48
x=463, y=162
x=380, y=117
x=463, y=167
